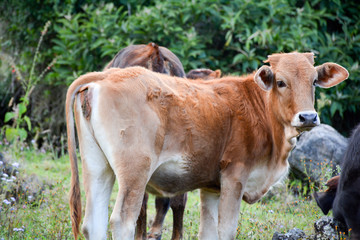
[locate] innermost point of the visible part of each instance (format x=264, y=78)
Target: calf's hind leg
x=98, y=186
x=98, y=181
x=132, y=173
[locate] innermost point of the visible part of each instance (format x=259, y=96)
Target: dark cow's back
x=151, y=56
x=343, y=193
x=346, y=207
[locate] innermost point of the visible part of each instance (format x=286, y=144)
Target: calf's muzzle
x=305, y=121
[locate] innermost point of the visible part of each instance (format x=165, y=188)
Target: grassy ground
x=257, y=221
x=46, y=216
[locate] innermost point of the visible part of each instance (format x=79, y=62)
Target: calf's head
x=203, y=73
x=291, y=79
x=325, y=199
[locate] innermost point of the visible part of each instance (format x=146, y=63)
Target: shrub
x=234, y=36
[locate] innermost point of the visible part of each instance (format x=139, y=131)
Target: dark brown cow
x=161, y=60
x=153, y=57
x=203, y=73
x=343, y=193
x=229, y=137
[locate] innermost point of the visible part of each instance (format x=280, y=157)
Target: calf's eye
x=281, y=84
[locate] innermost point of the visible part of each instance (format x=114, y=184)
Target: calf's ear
x=325, y=200
x=217, y=73
x=264, y=77
x=330, y=74
x=333, y=183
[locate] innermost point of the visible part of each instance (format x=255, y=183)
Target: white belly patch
x=172, y=165
x=169, y=176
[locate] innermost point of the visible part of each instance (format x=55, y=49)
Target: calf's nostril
x=302, y=118
x=315, y=118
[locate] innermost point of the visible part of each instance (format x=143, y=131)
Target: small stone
x=292, y=234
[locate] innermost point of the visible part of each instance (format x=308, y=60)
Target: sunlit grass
x=257, y=221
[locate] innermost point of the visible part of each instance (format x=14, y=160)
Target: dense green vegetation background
x=38, y=61
x=232, y=35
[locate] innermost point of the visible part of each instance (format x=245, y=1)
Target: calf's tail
x=75, y=194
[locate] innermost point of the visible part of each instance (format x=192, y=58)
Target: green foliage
x=18, y=117
x=84, y=39
x=234, y=36
x=188, y=28
x=22, y=20
x=16, y=132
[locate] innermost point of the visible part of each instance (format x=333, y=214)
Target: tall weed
x=18, y=122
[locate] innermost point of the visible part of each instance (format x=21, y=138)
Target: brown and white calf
x=230, y=137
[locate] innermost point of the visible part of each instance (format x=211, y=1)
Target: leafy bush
x=18, y=117
x=84, y=40
x=234, y=36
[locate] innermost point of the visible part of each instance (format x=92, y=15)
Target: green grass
x=48, y=216
x=256, y=221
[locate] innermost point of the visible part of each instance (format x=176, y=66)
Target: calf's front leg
x=142, y=219
x=209, y=215
x=130, y=195
x=233, y=181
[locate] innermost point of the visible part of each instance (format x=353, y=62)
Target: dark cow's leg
x=162, y=206
x=177, y=205
x=141, y=222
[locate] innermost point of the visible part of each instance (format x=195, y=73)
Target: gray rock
x=316, y=150
x=325, y=229
x=292, y=234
